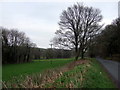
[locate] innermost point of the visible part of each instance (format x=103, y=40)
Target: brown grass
x=49, y=76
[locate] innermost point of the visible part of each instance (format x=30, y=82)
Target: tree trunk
x=76, y=58
x=76, y=50
x=77, y=54
x=82, y=54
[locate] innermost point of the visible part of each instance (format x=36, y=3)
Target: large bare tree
x=78, y=24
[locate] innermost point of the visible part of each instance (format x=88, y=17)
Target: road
x=112, y=67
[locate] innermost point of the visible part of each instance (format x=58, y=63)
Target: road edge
x=115, y=82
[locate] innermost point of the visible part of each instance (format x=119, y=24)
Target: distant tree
x=107, y=43
x=36, y=53
x=15, y=46
x=50, y=53
x=116, y=23
x=78, y=24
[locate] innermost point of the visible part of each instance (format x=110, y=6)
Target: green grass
x=16, y=70
x=70, y=79
x=96, y=77
x=90, y=75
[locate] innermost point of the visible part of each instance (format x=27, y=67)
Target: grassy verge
x=89, y=75
x=96, y=77
x=16, y=70
x=79, y=74
x=70, y=79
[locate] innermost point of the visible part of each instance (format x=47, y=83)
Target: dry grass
x=40, y=80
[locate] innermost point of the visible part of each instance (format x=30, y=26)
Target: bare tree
x=78, y=24
x=15, y=46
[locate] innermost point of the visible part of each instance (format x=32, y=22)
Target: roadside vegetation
x=76, y=74
x=87, y=75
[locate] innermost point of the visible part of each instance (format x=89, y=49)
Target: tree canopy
x=15, y=46
x=107, y=43
x=78, y=24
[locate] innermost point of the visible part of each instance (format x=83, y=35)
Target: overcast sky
x=39, y=20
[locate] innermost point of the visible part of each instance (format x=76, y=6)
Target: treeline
x=107, y=43
x=17, y=48
x=40, y=53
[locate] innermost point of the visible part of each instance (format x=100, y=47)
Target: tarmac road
x=113, y=68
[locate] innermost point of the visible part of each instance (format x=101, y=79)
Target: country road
x=112, y=67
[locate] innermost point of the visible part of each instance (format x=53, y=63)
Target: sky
x=39, y=19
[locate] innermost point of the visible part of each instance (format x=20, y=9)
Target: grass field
x=12, y=70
